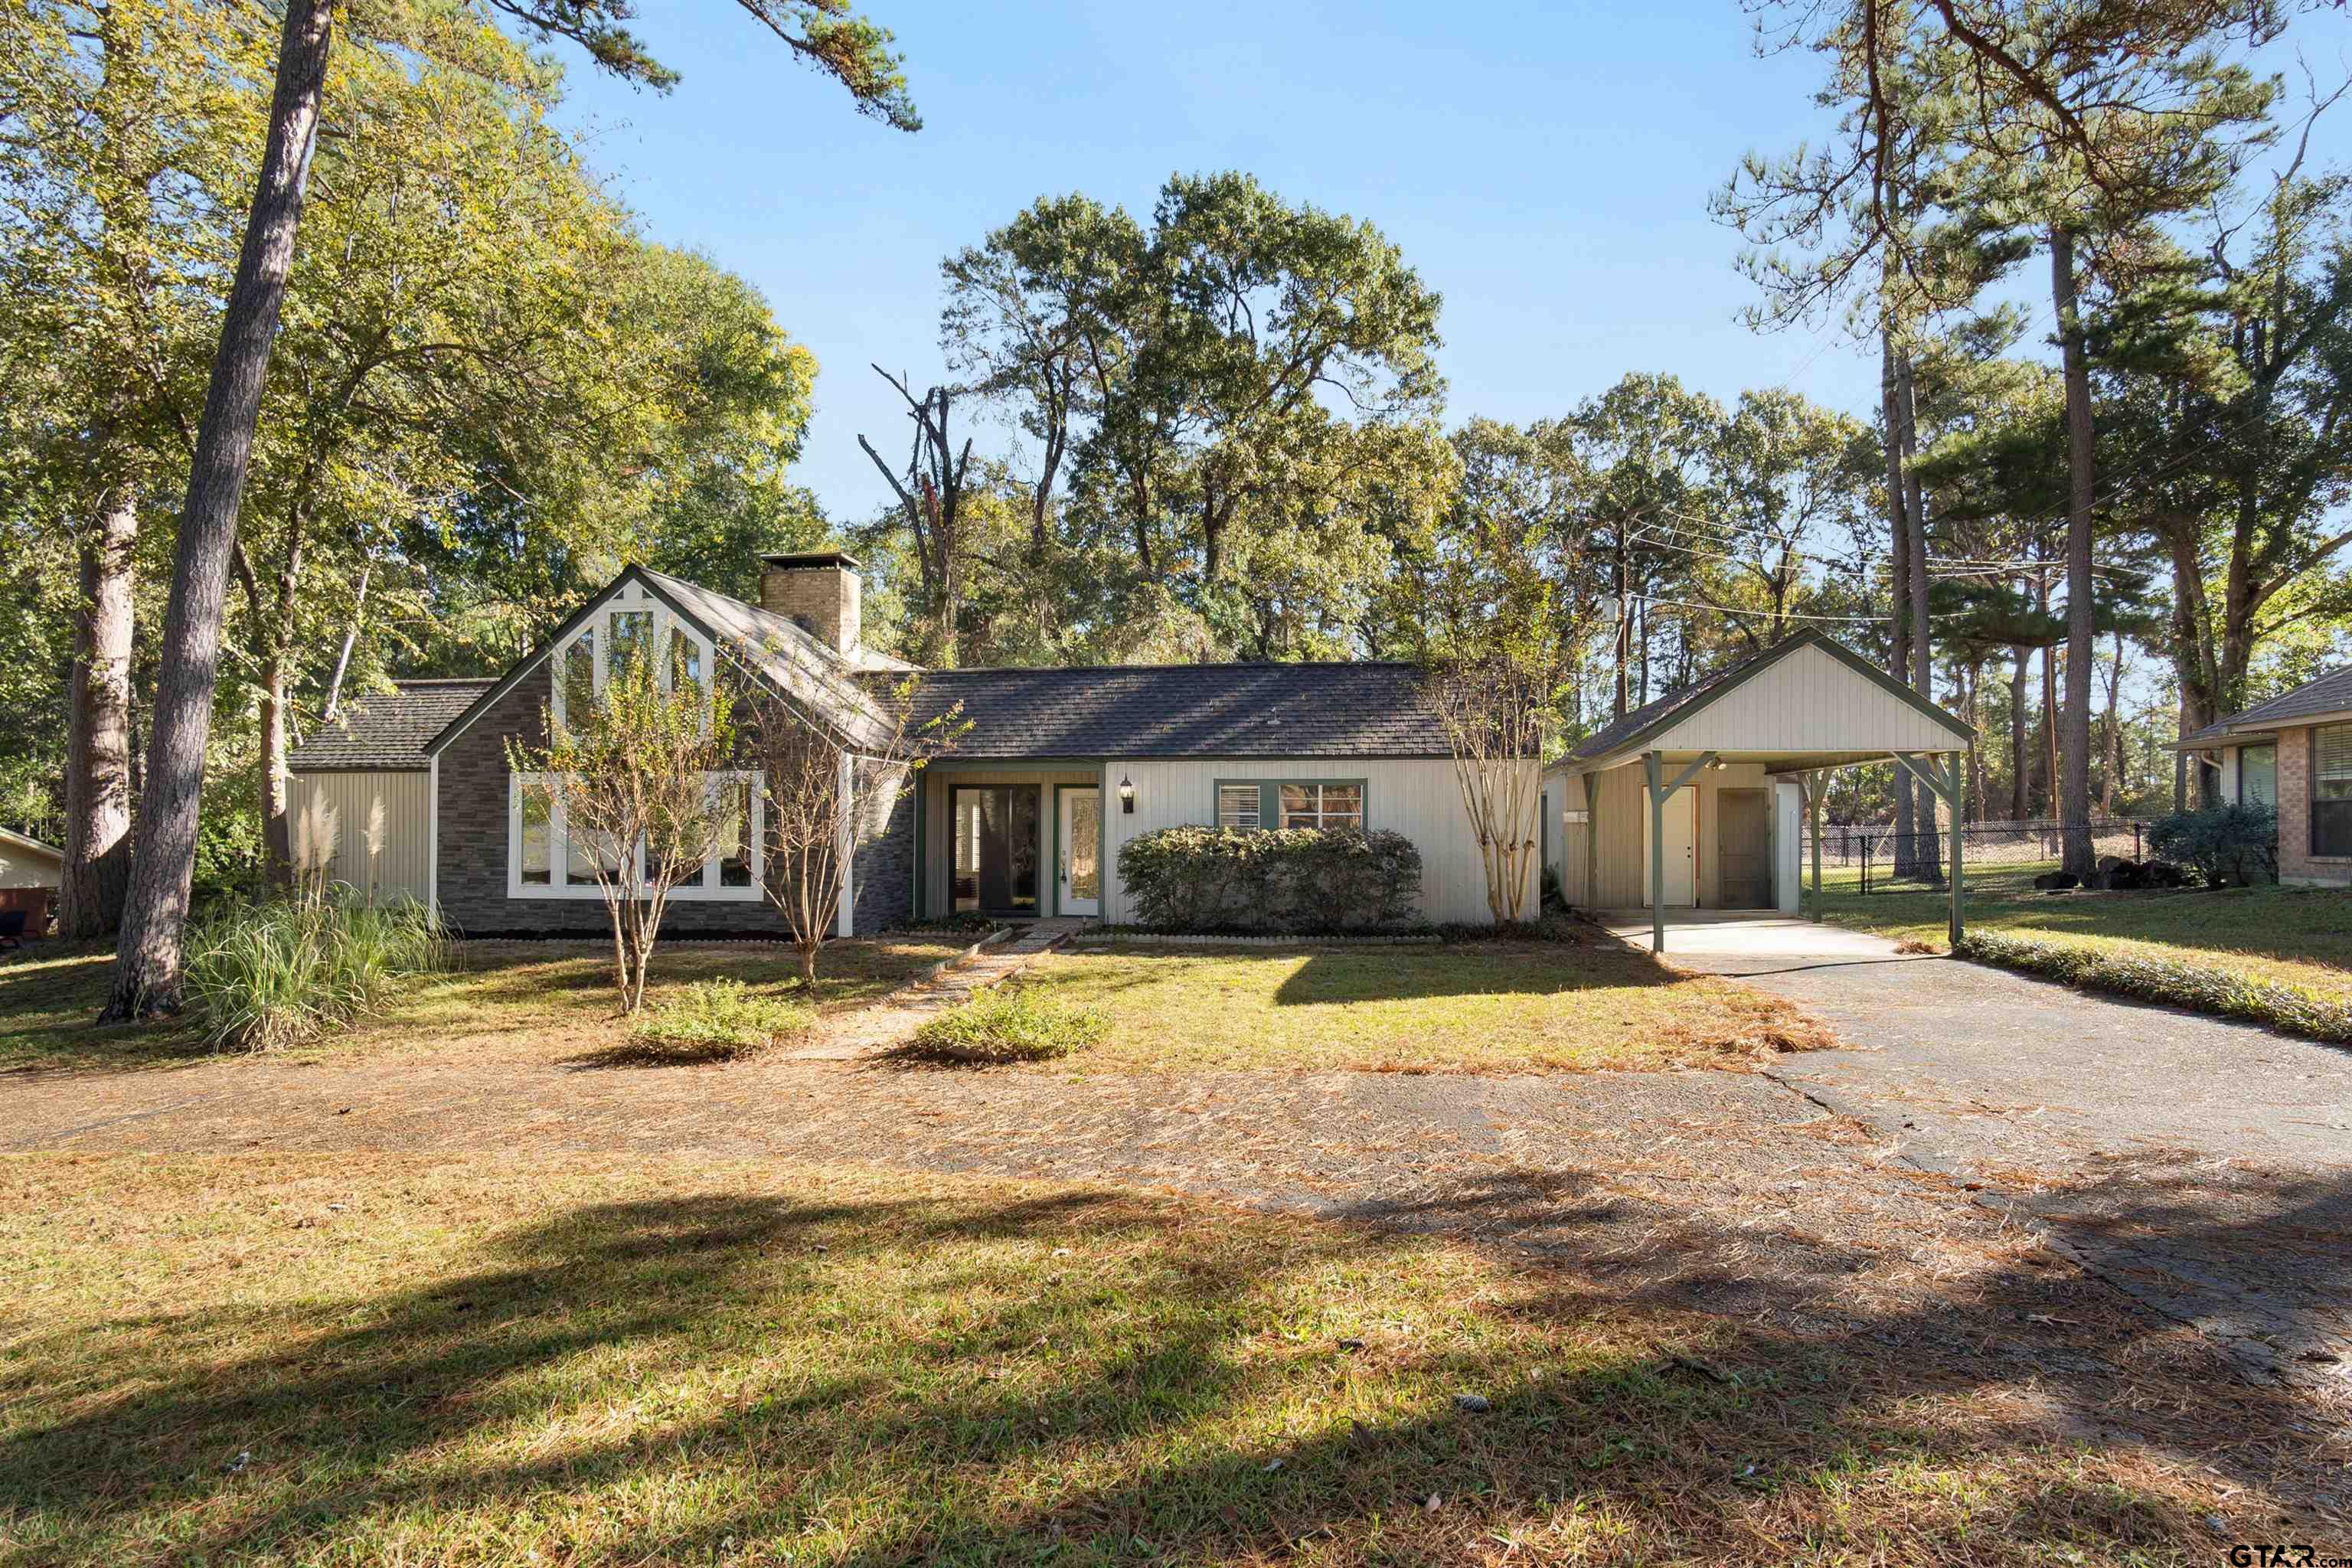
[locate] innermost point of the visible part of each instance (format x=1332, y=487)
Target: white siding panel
x=23, y=867
x=1415, y=796
x=404, y=869
x=1809, y=701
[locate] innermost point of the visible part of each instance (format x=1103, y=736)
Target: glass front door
x=995, y=848
x=1079, y=834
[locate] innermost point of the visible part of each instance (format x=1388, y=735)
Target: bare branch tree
x=1496, y=709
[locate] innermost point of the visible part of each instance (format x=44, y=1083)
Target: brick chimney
x=820, y=592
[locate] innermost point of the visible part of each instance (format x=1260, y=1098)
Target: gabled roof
x=9, y=835
x=792, y=659
x=387, y=730
x=1357, y=710
x=1656, y=718
x=2331, y=693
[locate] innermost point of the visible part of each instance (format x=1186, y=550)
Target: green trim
x=1049, y=829
x=1102, y=782
x=1269, y=798
x=1845, y=656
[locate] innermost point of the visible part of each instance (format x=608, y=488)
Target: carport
x=1695, y=801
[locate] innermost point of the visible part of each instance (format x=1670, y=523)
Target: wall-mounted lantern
x=1126, y=795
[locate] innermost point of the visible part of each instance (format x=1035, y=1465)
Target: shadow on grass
x=1336, y=977
x=49, y=999
x=886, y=1381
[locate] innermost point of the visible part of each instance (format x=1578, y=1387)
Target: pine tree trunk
x=1899, y=533
x=97, y=872
x=1926, y=854
x=2074, y=794
x=155, y=919
x=2019, y=801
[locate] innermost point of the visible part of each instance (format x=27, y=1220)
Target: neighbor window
x=1237, y=805
x=1277, y=803
x=2258, y=775
x=540, y=839
x=2331, y=790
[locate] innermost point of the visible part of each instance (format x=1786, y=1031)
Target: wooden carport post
x=1948, y=777
x=1816, y=785
x=1653, y=764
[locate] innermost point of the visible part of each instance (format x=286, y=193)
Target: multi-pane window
x=2331, y=790
x=1322, y=806
x=631, y=624
x=1272, y=802
x=541, y=839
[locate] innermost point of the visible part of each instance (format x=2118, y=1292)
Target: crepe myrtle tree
x=826, y=796
x=1495, y=708
x=641, y=782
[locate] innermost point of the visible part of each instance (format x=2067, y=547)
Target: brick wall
x=473, y=848
x=2296, y=862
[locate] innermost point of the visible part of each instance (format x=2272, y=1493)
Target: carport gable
x=1802, y=704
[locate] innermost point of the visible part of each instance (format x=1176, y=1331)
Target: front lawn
x=304, y=1360
x=1472, y=1006
x=533, y=999
x=2298, y=937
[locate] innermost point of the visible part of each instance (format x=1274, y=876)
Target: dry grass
x=527, y=1000
x=2296, y=937
x=285, y=1359
x=1495, y=1007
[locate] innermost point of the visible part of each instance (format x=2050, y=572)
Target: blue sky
x=1545, y=168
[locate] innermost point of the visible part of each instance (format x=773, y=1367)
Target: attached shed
x=370, y=766
x=1698, y=800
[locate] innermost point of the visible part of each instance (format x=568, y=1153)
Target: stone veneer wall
x=473, y=849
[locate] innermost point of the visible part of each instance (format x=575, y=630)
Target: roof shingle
x=2331, y=693
x=387, y=730
x=1359, y=710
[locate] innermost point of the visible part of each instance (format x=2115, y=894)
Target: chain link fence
x=1888, y=862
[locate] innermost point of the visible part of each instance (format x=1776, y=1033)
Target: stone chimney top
x=820, y=592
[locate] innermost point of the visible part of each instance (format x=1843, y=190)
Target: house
x=1695, y=801
x=1025, y=816
x=2294, y=752
x=30, y=872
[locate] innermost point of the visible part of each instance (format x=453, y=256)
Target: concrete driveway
x=2204, y=1166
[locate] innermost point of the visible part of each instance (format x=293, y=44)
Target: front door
x=1743, y=859
x=1079, y=834
x=1682, y=837
x=995, y=848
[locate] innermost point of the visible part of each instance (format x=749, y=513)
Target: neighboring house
x=30, y=872
x=1716, y=766
x=2294, y=752
x=1025, y=816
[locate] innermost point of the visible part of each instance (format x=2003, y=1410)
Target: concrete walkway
x=2205, y=1166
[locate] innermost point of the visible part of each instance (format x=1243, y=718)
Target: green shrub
x=1010, y=1025
x=1298, y=879
x=268, y=976
x=717, y=1020
x=2229, y=846
x=2195, y=986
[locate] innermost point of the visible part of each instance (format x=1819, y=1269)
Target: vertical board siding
x=404, y=869
x=1416, y=796
x=1809, y=701
x=1624, y=814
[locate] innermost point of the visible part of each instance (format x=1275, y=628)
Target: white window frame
x=632, y=599
x=708, y=889
x=1256, y=813
x=1322, y=811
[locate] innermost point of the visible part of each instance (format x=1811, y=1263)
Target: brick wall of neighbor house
x=2296, y=862
x=473, y=849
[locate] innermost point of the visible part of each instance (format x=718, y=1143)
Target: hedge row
x=1296, y=879
x=2195, y=986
